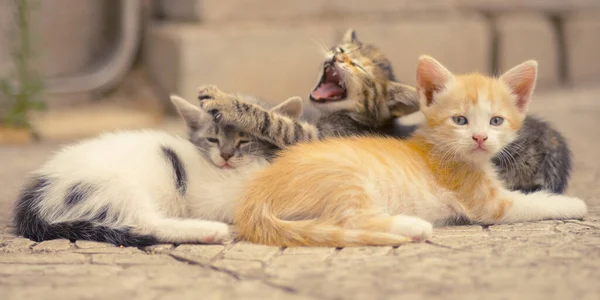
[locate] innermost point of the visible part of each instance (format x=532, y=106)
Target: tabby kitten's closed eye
x=386, y=191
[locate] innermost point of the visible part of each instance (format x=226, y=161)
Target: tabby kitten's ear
x=291, y=107
x=194, y=117
x=432, y=77
x=521, y=81
x=402, y=99
x=350, y=37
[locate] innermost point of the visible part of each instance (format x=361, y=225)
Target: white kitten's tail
x=148, y=230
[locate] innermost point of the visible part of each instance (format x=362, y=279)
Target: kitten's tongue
x=328, y=90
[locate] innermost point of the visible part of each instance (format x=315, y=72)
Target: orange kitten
x=383, y=191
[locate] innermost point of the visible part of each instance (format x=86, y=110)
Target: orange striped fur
x=383, y=191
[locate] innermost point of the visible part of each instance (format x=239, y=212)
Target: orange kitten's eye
x=496, y=121
x=460, y=120
x=340, y=50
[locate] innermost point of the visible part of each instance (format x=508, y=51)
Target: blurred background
x=73, y=68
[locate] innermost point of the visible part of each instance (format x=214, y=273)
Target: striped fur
x=281, y=129
x=385, y=191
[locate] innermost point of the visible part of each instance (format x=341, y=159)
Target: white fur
x=413, y=227
x=543, y=205
x=131, y=175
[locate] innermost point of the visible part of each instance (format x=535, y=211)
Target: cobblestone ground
x=542, y=260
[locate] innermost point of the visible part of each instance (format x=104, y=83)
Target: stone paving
x=541, y=260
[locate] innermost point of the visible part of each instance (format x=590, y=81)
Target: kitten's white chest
x=214, y=194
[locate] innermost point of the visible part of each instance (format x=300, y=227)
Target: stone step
x=218, y=11
x=523, y=36
x=548, y=6
x=74, y=123
x=276, y=62
x=582, y=39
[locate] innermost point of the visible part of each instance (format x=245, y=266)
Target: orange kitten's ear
x=431, y=77
x=521, y=81
x=350, y=37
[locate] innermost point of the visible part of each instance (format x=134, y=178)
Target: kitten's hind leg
x=519, y=207
x=183, y=231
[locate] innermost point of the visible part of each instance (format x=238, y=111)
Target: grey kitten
x=539, y=159
x=227, y=146
x=357, y=95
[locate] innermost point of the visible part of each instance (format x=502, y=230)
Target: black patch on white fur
x=103, y=216
x=77, y=193
x=178, y=169
x=28, y=223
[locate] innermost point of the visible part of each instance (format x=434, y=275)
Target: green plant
x=19, y=97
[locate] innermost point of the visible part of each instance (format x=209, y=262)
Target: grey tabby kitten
x=357, y=95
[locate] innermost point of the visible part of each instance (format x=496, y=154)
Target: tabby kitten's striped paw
x=216, y=102
x=210, y=92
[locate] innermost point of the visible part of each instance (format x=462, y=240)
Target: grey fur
x=229, y=138
x=538, y=159
x=230, y=111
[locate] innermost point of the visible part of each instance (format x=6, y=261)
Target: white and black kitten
x=136, y=188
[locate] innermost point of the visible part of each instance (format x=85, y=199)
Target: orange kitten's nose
x=479, y=138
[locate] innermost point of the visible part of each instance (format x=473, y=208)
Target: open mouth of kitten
x=330, y=87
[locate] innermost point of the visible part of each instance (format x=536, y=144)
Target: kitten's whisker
x=324, y=49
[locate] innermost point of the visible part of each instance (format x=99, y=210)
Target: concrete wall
x=69, y=35
x=271, y=48
x=268, y=48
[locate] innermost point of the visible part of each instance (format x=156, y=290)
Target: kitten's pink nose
x=479, y=138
